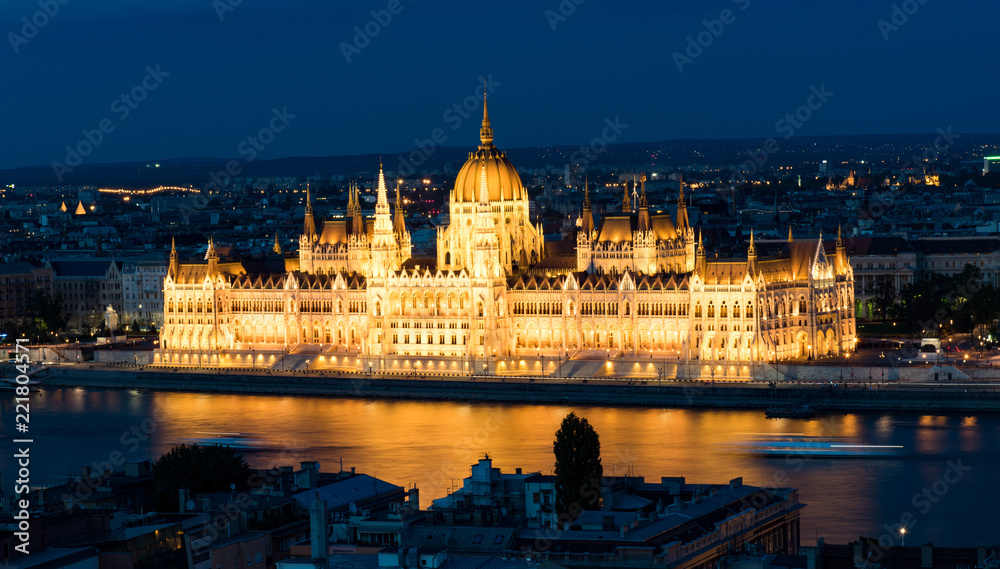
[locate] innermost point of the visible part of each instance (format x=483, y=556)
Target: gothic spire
x=383, y=198
x=682, y=216
x=486, y=131
x=399, y=224
x=309, y=225
x=174, y=263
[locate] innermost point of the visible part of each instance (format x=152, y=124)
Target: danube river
x=945, y=482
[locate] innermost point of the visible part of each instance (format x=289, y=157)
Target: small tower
x=752, y=256
x=384, y=249
x=309, y=225
x=213, y=258
x=588, y=217
x=277, y=247
x=174, y=262
x=644, y=224
x=840, y=261
x=682, y=215
x=398, y=222
x=699, y=259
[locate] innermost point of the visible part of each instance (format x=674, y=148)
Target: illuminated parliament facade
x=638, y=285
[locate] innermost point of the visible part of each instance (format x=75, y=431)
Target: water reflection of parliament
x=639, y=285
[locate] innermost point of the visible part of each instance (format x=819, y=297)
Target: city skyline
x=357, y=92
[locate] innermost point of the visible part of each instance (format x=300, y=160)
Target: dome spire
x=486, y=132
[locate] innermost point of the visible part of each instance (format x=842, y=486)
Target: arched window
x=628, y=309
x=697, y=309
x=722, y=310
x=736, y=310
x=711, y=309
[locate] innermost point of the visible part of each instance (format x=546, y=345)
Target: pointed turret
x=486, y=131
x=840, y=260
x=789, y=232
x=382, y=200
x=309, y=225
x=398, y=222
x=358, y=220
x=174, y=262
x=752, y=256
x=587, y=224
x=384, y=244
x=644, y=224
x=682, y=215
x=277, y=247
x=213, y=258
x=699, y=258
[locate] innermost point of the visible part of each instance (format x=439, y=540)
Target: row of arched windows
x=537, y=307
x=190, y=305
x=723, y=310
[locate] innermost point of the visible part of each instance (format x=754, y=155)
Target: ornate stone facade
x=636, y=286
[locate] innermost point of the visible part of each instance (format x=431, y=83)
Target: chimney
x=413, y=499
x=927, y=555
x=517, y=471
x=317, y=529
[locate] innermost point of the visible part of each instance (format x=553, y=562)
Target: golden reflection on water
x=433, y=444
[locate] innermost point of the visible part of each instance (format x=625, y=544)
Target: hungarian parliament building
x=637, y=285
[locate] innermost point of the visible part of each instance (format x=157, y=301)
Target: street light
x=902, y=537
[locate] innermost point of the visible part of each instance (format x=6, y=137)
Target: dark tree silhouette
x=578, y=467
x=198, y=468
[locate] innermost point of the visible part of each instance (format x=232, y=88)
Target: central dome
x=501, y=178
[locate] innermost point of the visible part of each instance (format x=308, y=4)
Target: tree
x=198, y=468
x=883, y=291
x=46, y=313
x=578, y=467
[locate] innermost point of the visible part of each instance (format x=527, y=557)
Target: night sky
x=603, y=60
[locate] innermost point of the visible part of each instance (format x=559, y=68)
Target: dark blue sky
x=606, y=59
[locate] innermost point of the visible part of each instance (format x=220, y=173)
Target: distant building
x=142, y=289
x=18, y=282
x=88, y=286
x=991, y=164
